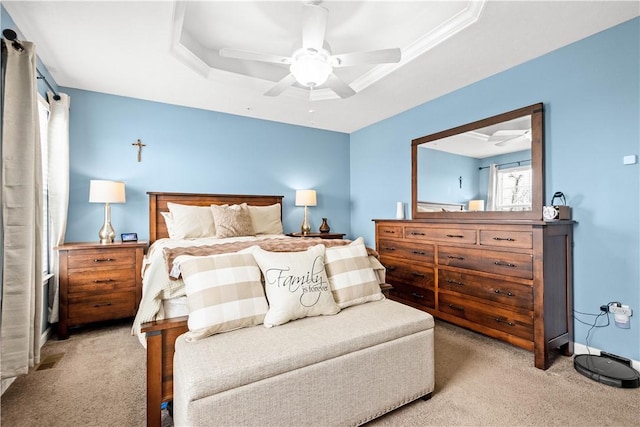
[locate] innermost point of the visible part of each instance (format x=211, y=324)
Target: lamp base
x=306, y=228
x=107, y=234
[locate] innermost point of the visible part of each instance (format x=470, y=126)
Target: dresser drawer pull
x=455, y=236
x=456, y=307
x=498, y=291
x=104, y=304
x=419, y=253
x=389, y=231
x=103, y=281
x=388, y=248
x=391, y=268
x=453, y=282
x=504, y=264
x=417, y=233
x=499, y=320
x=416, y=295
x=506, y=239
x=413, y=273
x=455, y=257
x=102, y=259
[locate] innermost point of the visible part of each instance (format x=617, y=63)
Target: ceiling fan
x=311, y=63
x=501, y=138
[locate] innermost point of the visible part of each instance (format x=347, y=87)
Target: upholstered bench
x=344, y=369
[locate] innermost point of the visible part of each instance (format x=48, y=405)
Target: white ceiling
x=166, y=51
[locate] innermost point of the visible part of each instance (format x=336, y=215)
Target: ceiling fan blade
x=314, y=25
x=522, y=137
x=281, y=86
x=382, y=56
x=253, y=56
x=339, y=87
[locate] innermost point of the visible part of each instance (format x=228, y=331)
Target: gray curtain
x=21, y=314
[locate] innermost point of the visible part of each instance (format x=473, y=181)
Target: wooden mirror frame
x=537, y=166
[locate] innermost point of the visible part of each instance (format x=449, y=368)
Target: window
x=43, y=113
x=514, y=189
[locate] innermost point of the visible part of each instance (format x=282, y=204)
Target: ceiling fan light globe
x=310, y=70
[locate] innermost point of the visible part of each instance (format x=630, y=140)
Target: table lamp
x=101, y=191
x=305, y=198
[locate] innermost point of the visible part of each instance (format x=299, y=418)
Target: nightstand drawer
x=101, y=258
x=95, y=281
x=92, y=308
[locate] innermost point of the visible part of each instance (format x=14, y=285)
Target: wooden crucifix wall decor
x=139, y=144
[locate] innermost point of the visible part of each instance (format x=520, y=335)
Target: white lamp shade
x=305, y=197
x=101, y=191
x=476, y=205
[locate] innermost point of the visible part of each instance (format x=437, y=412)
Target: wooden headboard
x=158, y=204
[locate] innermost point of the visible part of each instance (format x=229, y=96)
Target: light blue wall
x=197, y=151
x=591, y=95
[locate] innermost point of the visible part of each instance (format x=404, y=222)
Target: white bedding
x=158, y=289
x=156, y=285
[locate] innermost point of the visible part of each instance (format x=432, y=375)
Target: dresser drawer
x=105, y=306
x=406, y=250
x=449, y=235
x=507, y=239
x=414, y=294
x=102, y=280
x=504, y=263
x=516, y=324
x=508, y=293
x=394, y=231
x=408, y=273
x=101, y=258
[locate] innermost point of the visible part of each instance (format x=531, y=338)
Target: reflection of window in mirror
x=513, y=189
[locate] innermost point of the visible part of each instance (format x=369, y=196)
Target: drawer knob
x=455, y=257
x=416, y=233
x=104, y=304
x=506, y=322
x=506, y=239
x=498, y=291
x=103, y=281
x=504, y=264
x=453, y=282
x=102, y=259
x=456, y=307
x=416, y=295
x=455, y=236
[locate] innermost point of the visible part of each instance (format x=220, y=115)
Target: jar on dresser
x=510, y=280
x=98, y=282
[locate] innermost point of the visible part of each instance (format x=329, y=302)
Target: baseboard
x=582, y=349
x=45, y=336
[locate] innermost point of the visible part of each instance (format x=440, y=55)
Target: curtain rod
x=13, y=38
x=518, y=162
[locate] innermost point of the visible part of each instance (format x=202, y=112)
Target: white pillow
x=266, y=219
x=350, y=274
x=191, y=221
x=296, y=284
x=168, y=220
x=224, y=292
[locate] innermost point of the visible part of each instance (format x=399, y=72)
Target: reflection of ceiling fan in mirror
x=501, y=138
x=311, y=63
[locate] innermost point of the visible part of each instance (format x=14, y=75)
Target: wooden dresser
x=98, y=282
x=510, y=280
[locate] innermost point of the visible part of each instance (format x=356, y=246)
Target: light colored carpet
x=100, y=381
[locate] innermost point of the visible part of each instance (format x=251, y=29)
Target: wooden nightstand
x=98, y=282
x=320, y=235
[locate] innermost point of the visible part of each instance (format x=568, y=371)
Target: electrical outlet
x=620, y=309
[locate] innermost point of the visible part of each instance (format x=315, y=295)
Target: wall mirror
x=489, y=169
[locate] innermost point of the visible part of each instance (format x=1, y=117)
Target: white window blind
x=43, y=113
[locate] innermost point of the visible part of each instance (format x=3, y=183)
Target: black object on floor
x=607, y=370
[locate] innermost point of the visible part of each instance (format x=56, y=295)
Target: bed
x=159, y=326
